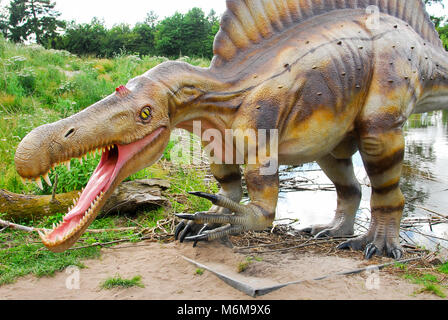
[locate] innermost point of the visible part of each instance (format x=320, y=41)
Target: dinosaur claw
x=344, y=246
x=307, y=230
x=371, y=249
x=199, y=237
x=185, y=232
x=322, y=234
x=186, y=216
x=179, y=228
x=213, y=198
x=205, y=227
x=397, y=254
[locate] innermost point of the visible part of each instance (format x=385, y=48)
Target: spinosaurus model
x=315, y=70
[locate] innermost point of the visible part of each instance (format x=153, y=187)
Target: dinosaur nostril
x=70, y=133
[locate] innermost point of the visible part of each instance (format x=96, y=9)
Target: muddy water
x=424, y=184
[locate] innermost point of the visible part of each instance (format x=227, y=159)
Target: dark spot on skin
x=264, y=211
x=258, y=183
x=267, y=117
x=382, y=165
x=235, y=176
x=387, y=209
x=386, y=190
x=346, y=192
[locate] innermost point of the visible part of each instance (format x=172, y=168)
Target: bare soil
x=166, y=275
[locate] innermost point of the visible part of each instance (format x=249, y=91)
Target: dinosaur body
x=316, y=72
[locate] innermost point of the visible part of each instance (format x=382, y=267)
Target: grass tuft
x=119, y=282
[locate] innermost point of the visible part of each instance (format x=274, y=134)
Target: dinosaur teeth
x=67, y=164
x=39, y=183
x=47, y=180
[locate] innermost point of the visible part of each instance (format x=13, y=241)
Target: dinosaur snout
x=32, y=158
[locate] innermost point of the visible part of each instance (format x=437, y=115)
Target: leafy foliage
x=191, y=34
x=33, y=17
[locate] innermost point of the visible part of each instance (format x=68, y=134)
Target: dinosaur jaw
x=116, y=164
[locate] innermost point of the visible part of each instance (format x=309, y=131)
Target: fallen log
x=131, y=196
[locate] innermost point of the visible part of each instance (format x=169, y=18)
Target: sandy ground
x=167, y=276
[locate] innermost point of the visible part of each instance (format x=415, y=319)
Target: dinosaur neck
x=196, y=94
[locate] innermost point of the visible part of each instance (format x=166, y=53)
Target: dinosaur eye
x=145, y=114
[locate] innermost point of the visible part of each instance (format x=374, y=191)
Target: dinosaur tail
x=435, y=83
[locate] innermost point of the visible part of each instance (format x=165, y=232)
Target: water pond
x=424, y=184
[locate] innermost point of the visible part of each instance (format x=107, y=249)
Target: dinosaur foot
x=203, y=227
x=212, y=225
x=339, y=227
x=379, y=245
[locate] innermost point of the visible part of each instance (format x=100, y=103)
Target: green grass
x=20, y=255
x=199, y=271
x=443, y=268
x=243, y=265
x=118, y=282
x=429, y=283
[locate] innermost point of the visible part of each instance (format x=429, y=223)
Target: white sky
x=132, y=11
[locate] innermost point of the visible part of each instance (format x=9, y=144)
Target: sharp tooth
x=39, y=183
x=54, y=226
x=67, y=164
x=79, y=194
x=85, y=157
x=47, y=180
x=41, y=234
x=74, y=202
x=80, y=160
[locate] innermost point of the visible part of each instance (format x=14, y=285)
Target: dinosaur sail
x=248, y=23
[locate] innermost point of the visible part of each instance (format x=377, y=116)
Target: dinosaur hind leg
x=341, y=173
x=383, y=154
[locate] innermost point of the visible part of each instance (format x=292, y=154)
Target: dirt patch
x=167, y=276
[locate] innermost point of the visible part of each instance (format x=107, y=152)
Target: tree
x=33, y=18
x=87, y=38
x=145, y=35
x=169, y=39
x=191, y=34
x=3, y=22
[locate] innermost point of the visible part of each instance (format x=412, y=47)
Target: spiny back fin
x=247, y=23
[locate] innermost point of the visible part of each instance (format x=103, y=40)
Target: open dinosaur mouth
x=86, y=207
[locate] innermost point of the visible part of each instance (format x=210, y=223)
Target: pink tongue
x=97, y=182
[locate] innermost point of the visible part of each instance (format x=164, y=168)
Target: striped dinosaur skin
x=313, y=70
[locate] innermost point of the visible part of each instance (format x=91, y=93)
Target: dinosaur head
x=131, y=129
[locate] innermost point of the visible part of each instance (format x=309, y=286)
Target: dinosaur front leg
x=383, y=155
x=257, y=215
x=229, y=178
x=341, y=173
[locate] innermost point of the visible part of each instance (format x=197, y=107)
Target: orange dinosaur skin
x=329, y=84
